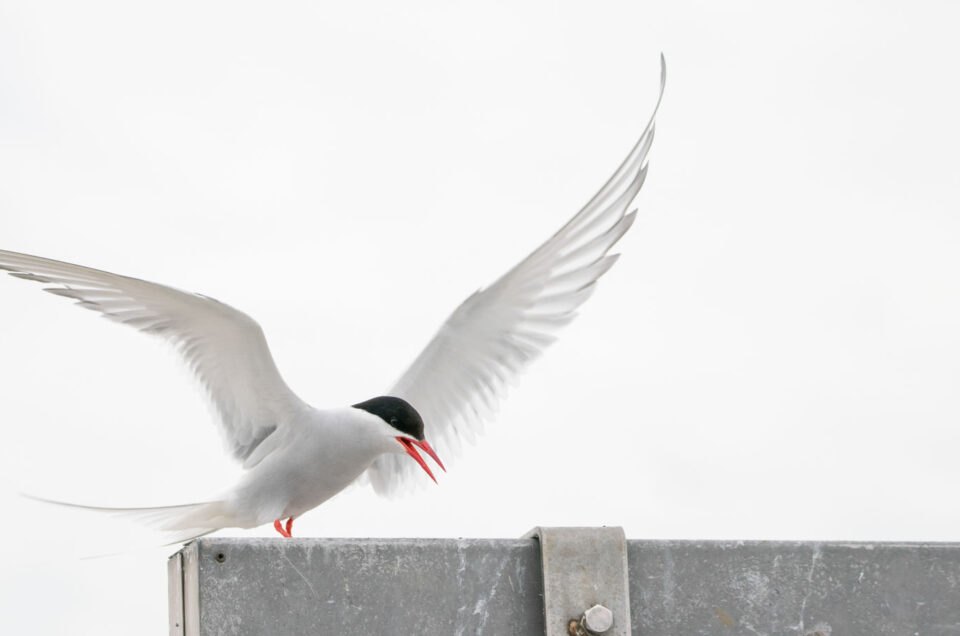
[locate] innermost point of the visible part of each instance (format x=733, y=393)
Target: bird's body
x=307, y=462
x=296, y=456
x=323, y=454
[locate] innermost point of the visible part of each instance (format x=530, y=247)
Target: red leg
x=290, y=527
x=279, y=528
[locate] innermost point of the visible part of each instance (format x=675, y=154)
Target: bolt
x=597, y=620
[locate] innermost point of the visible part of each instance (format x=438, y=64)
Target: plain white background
x=775, y=356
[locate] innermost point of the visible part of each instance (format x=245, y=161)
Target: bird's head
x=406, y=426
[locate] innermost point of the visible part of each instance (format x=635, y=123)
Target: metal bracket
x=175, y=594
x=582, y=568
x=183, y=591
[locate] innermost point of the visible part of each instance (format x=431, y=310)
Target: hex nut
x=598, y=619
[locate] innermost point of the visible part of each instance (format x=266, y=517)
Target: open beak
x=410, y=445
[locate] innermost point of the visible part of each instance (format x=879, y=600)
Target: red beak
x=410, y=444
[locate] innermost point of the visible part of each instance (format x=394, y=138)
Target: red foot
x=279, y=528
x=290, y=527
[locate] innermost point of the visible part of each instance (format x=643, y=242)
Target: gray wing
x=224, y=347
x=458, y=380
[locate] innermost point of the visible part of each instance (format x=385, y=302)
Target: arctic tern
x=296, y=456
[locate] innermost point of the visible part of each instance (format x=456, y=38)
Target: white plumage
x=458, y=380
x=297, y=456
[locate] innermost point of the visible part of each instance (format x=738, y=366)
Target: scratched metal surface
x=369, y=586
x=482, y=586
x=822, y=589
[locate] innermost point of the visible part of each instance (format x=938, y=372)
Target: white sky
x=775, y=356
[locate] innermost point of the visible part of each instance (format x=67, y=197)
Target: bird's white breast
x=316, y=459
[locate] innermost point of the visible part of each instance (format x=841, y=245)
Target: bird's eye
x=393, y=421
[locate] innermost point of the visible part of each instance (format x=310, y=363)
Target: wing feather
x=224, y=347
x=460, y=377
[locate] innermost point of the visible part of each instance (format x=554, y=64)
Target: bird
x=295, y=456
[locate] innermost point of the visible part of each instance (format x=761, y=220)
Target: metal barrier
x=560, y=581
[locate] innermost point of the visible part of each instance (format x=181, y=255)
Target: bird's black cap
x=395, y=412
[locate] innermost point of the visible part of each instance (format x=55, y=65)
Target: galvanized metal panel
x=875, y=589
x=367, y=586
x=477, y=586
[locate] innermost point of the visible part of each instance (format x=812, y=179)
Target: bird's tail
x=177, y=523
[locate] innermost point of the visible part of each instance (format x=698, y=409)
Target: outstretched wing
x=224, y=347
x=459, y=378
